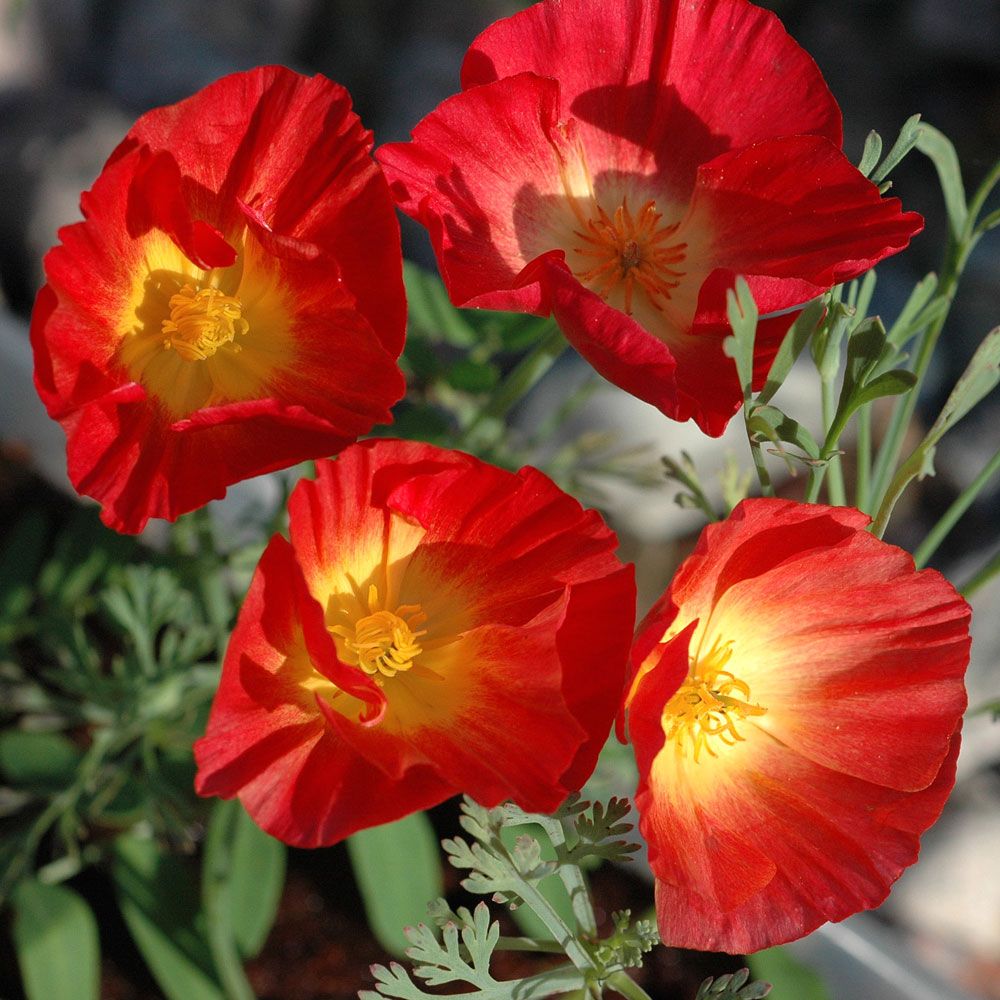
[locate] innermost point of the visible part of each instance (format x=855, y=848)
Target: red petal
x=156, y=200
x=678, y=82
x=858, y=660
x=796, y=208
x=617, y=347
x=475, y=175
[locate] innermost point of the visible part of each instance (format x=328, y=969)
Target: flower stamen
x=383, y=643
x=630, y=251
x=708, y=705
x=203, y=320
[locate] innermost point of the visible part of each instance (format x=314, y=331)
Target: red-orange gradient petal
x=858, y=660
x=525, y=627
x=263, y=178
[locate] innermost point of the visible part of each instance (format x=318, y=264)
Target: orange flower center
x=383, y=643
x=708, y=705
x=631, y=250
x=201, y=321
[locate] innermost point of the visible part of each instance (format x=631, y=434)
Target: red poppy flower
x=233, y=302
x=437, y=625
x=618, y=164
x=795, y=718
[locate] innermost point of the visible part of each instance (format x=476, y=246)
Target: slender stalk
x=951, y=516
x=625, y=985
x=763, y=476
x=862, y=487
x=982, y=577
x=508, y=943
x=512, y=389
x=566, y=939
x=984, y=190
x=215, y=897
x=835, y=482
x=572, y=878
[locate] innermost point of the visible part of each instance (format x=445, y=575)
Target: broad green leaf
x=430, y=310
x=742, y=312
x=890, y=383
x=769, y=423
x=257, y=878
x=872, y=151
x=938, y=148
x=43, y=762
x=55, y=935
x=398, y=870
x=866, y=350
x=907, y=139
x=791, y=980
x=162, y=909
x=791, y=347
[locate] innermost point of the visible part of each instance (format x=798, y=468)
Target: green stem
x=951, y=516
x=982, y=577
x=572, y=877
x=565, y=979
x=759, y=463
x=506, y=943
x=216, y=867
x=525, y=374
x=835, y=483
x=862, y=489
x=624, y=984
x=982, y=193
x=566, y=939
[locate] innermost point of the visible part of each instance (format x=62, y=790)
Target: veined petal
x=483, y=173
x=214, y=300
x=795, y=708
x=457, y=628
x=795, y=207
x=670, y=85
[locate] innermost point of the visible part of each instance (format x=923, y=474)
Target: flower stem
x=483, y=429
x=624, y=984
x=862, y=488
x=951, y=516
x=835, y=479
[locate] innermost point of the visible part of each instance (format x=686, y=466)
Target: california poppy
x=232, y=302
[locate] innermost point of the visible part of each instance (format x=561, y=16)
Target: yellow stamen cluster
x=203, y=320
x=384, y=643
x=708, y=705
x=631, y=250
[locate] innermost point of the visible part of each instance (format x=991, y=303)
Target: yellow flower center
x=201, y=321
x=383, y=643
x=631, y=250
x=708, y=705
